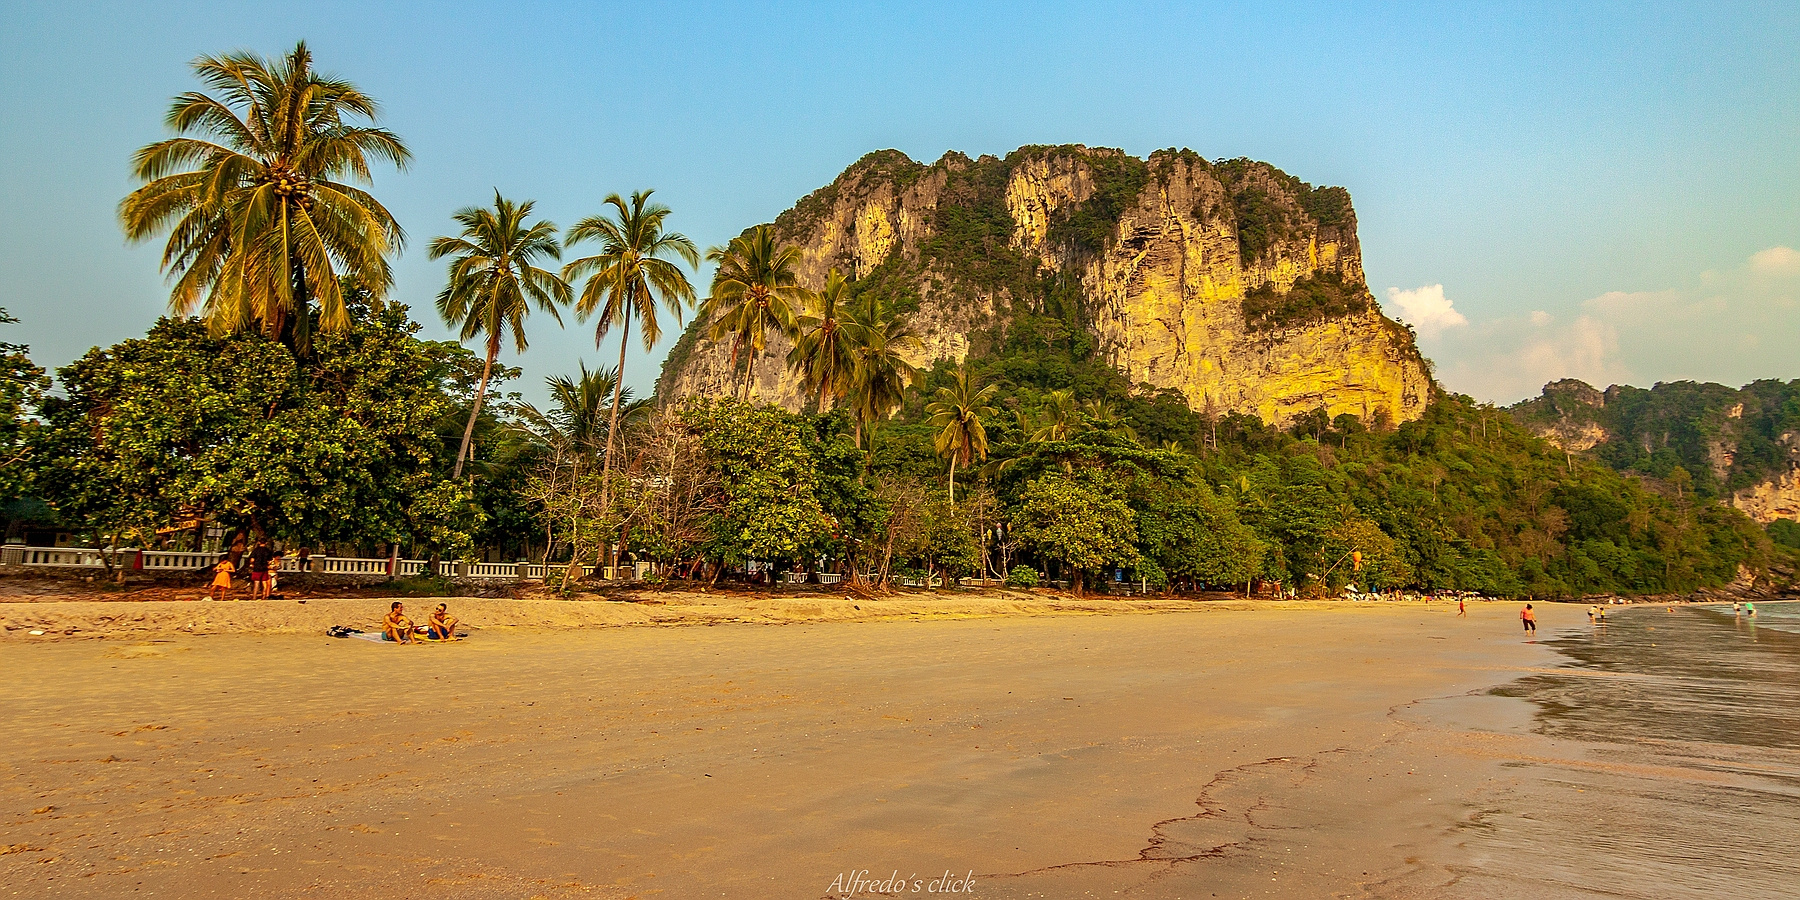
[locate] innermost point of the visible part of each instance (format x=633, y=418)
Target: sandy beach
x=1347, y=751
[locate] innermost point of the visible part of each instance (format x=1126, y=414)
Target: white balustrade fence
x=177, y=561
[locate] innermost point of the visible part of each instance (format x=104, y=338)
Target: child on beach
x=221, y=583
x=1529, y=619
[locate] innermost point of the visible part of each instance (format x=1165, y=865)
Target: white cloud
x=1776, y=261
x=1730, y=325
x=1426, y=309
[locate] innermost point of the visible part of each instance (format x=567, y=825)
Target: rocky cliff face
x=1232, y=282
x=1741, y=445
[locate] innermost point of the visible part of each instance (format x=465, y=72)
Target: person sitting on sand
x=221, y=583
x=441, y=625
x=397, y=627
x=1529, y=619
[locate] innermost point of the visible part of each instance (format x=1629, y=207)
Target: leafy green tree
x=1078, y=520
x=1362, y=553
x=22, y=386
x=341, y=450
x=1190, y=532
x=957, y=415
x=941, y=538
x=494, y=279
x=629, y=276
x=755, y=290
x=771, y=509
x=824, y=352
x=259, y=196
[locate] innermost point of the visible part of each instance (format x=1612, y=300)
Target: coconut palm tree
x=494, y=280
x=755, y=289
x=881, y=371
x=824, y=353
x=957, y=414
x=259, y=195
x=1060, y=418
x=570, y=432
x=629, y=276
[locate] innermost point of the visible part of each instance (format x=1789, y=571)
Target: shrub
x=1022, y=576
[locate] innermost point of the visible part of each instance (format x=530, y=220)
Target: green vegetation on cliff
x=1461, y=499
x=1311, y=299
x=1718, y=439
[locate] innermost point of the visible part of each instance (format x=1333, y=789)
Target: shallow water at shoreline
x=1685, y=780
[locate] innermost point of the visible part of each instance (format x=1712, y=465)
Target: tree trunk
x=1075, y=580
x=487, y=367
x=952, y=481
x=612, y=427
x=574, y=532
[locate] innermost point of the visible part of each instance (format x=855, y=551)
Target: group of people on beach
x=262, y=562
x=441, y=626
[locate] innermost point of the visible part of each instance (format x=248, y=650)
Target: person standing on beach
x=221, y=583
x=1528, y=619
x=259, y=569
x=1461, y=609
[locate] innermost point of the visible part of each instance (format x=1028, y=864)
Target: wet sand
x=1350, y=751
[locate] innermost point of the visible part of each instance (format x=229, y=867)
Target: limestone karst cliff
x=1741, y=445
x=1232, y=282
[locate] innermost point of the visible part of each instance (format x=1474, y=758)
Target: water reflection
x=1675, y=769
x=1699, y=673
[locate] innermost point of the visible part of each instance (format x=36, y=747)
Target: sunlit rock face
x=1231, y=282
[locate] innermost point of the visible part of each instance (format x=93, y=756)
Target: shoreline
x=88, y=619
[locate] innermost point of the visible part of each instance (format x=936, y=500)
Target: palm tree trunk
x=952, y=481
x=574, y=533
x=612, y=427
x=487, y=367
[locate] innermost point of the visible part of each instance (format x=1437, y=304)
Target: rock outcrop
x=1231, y=282
x=1740, y=445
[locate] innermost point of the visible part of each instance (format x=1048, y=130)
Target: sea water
x=1674, y=769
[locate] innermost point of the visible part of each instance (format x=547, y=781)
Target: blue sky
x=1601, y=191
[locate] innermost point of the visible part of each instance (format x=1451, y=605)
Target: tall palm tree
x=881, y=372
x=754, y=289
x=824, y=353
x=494, y=280
x=1060, y=418
x=572, y=425
x=259, y=195
x=957, y=414
x=629, y=276
x=571, y=430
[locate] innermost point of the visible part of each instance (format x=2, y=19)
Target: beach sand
x=1351, y=750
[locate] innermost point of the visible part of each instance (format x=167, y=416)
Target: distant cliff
x=1232, y=282
x=1735, y=444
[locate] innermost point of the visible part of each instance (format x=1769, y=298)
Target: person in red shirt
x=1529, y=619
